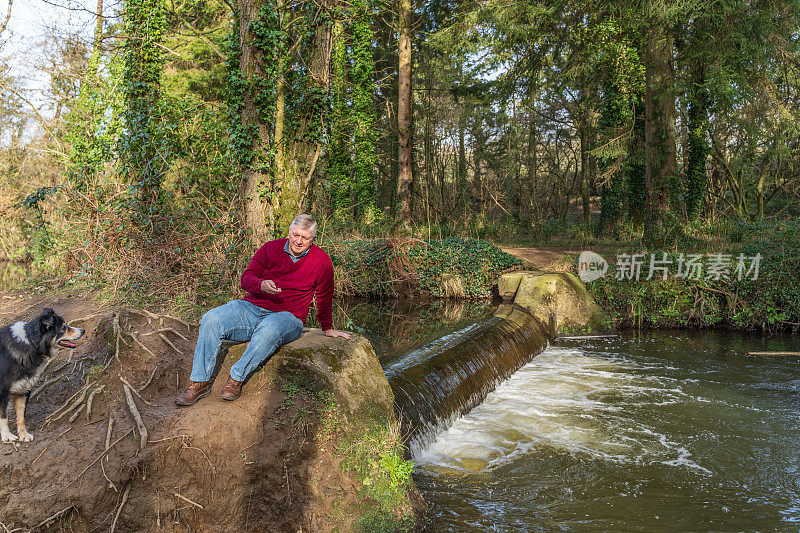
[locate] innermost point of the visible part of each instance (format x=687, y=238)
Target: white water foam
x=564, y=399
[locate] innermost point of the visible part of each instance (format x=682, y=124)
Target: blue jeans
x=241, y=321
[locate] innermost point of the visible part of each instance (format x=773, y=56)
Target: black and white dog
x=25, y=348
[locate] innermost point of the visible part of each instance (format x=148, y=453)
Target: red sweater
x=299, y=282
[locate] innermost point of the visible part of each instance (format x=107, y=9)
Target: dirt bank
x=277, y=459
x=555, y=258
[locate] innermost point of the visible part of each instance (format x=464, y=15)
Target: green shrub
x=389, y=267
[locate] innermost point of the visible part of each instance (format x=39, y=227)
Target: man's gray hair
x=306, y=222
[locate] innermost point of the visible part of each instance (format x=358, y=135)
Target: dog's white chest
x=24, y=386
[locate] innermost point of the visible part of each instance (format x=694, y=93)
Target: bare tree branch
x=8, y=17
x=39, y=116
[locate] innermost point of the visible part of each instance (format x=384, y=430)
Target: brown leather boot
x=231, y=390
x=194, y=392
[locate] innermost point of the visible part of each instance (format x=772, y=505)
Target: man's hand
x=269, y=287
x=336, y=333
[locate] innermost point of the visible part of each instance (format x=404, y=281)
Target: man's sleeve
x=324, y=297
x=254, y=273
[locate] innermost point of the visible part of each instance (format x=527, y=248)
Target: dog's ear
x=48, y=318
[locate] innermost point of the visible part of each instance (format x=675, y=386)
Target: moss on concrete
x=559, y=300
x=507, y=284
x=357, y=424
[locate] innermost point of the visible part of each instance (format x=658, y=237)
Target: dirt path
x=24, y=305
x=554, y=258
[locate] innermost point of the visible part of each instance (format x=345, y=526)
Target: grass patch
x=372, y=451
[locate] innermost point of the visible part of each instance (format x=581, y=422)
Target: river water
x=659, y=431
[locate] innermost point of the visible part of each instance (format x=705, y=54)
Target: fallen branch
x=119, y=509
x=187, y=500
x=136, y=416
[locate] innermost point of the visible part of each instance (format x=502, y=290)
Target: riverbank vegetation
x=173, y=138
x=749, y=282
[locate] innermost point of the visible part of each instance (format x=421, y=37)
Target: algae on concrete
x=558, y=299
x=362, y=423
x=349, y=369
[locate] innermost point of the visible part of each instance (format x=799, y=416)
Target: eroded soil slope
x=255, y=464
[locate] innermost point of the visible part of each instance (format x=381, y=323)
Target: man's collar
x=295, y=258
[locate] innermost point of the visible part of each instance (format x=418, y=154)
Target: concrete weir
x=558, y=299
x=439, y=382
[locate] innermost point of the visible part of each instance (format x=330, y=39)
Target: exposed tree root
x=90, y=400
x=119, y=509
x=68, y=406
x=102, y=454
x=136, y=416
x=187, y=500
x=133, y=389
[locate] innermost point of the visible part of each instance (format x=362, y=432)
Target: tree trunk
x=762, y=178
x=258, y=215
x=405, y=178
x=308, y=153
x=280, y=117
x=144, y=165
x=583, y=124
x=697, y=143
x=587, y=213
x=98, y=29
x=660, y=147
x=533, y=145
x=286, y=184
x=427, y=149
x=476, y=203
